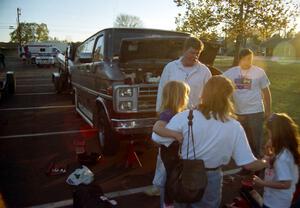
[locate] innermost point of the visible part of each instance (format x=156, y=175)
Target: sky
x=76, y=20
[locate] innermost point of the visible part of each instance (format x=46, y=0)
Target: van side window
x=85, y=51
x=78, y=52
x=99, y=49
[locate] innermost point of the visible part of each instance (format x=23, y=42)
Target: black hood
x=161, y=49
x=166, y=48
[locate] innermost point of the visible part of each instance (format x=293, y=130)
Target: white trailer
x=44, y=53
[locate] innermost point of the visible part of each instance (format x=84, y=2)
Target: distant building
x=282, y=47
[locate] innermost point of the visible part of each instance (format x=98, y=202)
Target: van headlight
x=125, y=105
x=126, y=92
x=125, y=98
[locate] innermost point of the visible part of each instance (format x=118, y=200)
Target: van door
x=98, y=65
x=83, y=81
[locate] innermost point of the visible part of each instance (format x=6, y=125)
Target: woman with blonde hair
x=175, y=97
x=218, y=137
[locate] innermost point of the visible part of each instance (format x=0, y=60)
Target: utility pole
x=19, y=27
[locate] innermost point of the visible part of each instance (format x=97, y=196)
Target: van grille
x=147, y=98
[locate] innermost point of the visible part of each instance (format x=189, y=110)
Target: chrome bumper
x=133, y=126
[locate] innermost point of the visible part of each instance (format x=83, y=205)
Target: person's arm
x=272, y=184
x=256, y=165
x=267, y=101
x=264, y=84
x=242, y=153
x=160, y=129
x=174, y=124
x=208, y=75
x=163, y=80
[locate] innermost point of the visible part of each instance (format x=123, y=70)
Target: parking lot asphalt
x=38, y=126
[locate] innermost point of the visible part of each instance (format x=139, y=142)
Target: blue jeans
x=212, y=195
x=160, y=178
x=253, y=126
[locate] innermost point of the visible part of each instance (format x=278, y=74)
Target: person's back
x=215, y=141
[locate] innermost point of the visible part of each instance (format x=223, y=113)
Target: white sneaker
x=152, y=191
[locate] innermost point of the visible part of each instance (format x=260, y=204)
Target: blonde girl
x=175, y=97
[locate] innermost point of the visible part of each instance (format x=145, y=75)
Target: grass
x=285, y=83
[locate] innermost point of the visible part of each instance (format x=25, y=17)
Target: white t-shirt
x=215, y=142
x=249, y=83
x=284, y=169
x=195, y=76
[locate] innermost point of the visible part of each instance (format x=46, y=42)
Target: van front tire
x=108, y=139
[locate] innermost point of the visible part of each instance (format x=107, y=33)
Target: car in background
x=44, y=59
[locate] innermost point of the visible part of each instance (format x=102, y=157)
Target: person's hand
x=268, y=160
x=257, y=181
x=268, y=149
x=178, y=136
x=267, y=115
x=241, y=118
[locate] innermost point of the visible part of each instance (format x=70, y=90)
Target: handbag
x=187, y=181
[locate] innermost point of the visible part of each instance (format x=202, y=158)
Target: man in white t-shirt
x=188, y=69
x=252, y=98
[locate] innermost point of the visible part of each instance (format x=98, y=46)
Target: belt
x=213, y=169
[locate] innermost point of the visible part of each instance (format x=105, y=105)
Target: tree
x=30, y=32
x=238, y=19
x=125, y=20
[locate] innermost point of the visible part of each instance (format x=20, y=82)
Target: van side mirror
x=85, y=60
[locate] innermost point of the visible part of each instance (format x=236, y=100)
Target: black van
x=115, y=75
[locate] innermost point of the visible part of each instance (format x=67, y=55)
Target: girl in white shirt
x=282, y=176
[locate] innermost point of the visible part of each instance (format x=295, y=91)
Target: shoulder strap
x=190, y=134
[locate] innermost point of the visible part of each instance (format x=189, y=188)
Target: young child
x=282, y=175
x=174, y=100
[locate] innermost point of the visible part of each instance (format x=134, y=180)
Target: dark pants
x=253, y=125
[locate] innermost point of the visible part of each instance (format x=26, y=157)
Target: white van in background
x=46, y=56
x=42, y=54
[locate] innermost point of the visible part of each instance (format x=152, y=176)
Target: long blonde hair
x=216, y=99
x=175, y=96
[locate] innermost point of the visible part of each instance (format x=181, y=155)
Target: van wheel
x=109, y=142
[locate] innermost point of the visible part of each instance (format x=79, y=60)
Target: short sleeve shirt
x=284, y=169
x=195, y=76
x=166, y=116
x=248, y=83
x=216, y=142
